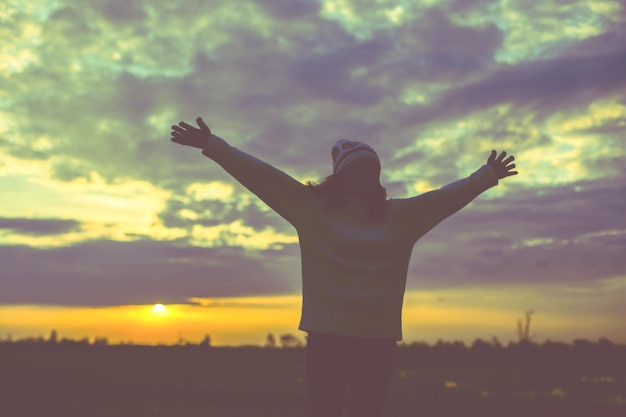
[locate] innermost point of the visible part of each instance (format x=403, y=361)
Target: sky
x=102, y=216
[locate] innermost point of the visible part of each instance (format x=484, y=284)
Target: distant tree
x=554, y=349
x=583, y=344
x=419, y=346
x=290, y=341
x=70, y=342
x=458, y=346
x=206, y=342
x=605, y=343
x=32, y=340
x=100, y=341
x=481, y=347
x=454, y=347
x=496, y=343
x=270, y=341
x=53, y=338
x=523, y=328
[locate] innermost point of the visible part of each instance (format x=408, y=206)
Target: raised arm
x=285, y=195
x=425, y=211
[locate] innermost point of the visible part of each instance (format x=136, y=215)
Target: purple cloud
x=544, y=87
x=39, y=227
x=293, y=9
x=105, y=273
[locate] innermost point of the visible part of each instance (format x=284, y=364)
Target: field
x=118, y=381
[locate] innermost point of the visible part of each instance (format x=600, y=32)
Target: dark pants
x=341, y=368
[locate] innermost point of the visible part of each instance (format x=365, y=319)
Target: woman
x=355, y=247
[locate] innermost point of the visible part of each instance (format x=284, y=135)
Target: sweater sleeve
x=422, y=213
x=285, y=195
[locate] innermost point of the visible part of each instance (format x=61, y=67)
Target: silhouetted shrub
x=270, y=341
x=290, y=341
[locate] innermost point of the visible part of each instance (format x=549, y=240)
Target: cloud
x=529, y=239
x=541, y=87
x=556, y=236
x=296, y=9
x=214, y=212
x=122, y=11
x=92, y=88
x=102, y=273
x=434, y=49
x=39, y=226
x=327, y=75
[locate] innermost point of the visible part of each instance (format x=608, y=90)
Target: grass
x=117, y=381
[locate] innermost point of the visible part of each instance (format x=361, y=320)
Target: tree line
x=526, y=342
x=290, y=341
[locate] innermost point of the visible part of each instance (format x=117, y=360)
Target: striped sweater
x=353, y=273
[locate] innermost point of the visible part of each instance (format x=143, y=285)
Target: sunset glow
x=159, y=309
x=428, y=316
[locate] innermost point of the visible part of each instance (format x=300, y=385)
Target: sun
x=160, y=311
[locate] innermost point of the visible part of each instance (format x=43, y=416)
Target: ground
x=135, y=381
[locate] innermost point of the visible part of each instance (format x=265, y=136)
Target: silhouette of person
x=355, y=247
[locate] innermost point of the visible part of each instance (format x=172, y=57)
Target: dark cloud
x=61, y=30
x=328, y=75
x=39, y=227
x=434, y=49
x=607, y=42
x=294, y=9
x=122, y=11
x=137, y=97
x=215, y=212
x=296, y=147
x=117, y=273
x=555, y=235
x=544, y=87
x=65, y=169
x=221, y=303
x=22, y=150
x=611, y=129
x=465, y=7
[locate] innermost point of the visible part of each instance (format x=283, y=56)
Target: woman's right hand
x=503, y=167
x=187, y=135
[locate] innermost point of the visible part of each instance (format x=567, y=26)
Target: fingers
x=502, y=164
x=179, y=134
x=202, y=125
x=500, y=158
x=186, y=125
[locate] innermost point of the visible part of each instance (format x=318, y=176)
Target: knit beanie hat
x=346, y=151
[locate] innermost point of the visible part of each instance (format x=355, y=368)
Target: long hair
x=333, y=193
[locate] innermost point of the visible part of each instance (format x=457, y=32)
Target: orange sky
x=236, y=321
